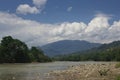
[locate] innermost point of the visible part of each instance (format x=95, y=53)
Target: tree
x=16, y=51
x=13, y=50
x=37, y=55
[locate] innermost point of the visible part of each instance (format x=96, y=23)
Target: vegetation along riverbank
x=16, y=51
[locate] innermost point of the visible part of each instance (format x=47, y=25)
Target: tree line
x=16, y=51
x=106, y=52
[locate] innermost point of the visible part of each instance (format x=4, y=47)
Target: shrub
x=104, y=72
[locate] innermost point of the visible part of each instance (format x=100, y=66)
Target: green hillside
x=106, y=52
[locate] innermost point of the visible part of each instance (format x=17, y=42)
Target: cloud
x=68, y=29
x=36, y=34
x=69, y=9
x=25, y=9
x=99, y=23
x=39, y=3
x=25, y=30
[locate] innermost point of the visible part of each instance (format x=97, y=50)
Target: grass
x=118, y=78
x=117, y=65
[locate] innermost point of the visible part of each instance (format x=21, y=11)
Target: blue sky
x=91, y=20
x=55, y=11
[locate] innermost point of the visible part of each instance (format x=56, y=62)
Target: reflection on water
x=33, y=71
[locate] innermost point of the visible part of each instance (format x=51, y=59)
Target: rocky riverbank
x=91, y=71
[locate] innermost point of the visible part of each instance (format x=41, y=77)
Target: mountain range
x=67, y=47
x=104, y=52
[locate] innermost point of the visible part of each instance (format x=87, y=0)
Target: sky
x=38, y=22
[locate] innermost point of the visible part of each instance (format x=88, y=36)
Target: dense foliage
x=37, y=55
x=106, y=52
x=16, y=51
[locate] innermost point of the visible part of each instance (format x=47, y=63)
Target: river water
x=32, y=71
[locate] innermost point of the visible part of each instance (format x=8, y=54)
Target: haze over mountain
x=67, y=46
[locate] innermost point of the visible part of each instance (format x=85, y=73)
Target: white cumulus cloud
x=25, y=8
x=99, y=23
x=36, y=34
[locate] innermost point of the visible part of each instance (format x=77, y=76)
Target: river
x=32, y=71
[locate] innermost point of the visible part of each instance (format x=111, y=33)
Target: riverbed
x=32, y=71
x=40, y=71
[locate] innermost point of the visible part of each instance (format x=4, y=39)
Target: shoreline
x=88, y=71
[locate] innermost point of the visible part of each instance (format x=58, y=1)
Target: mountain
x=113, y=44
x=67, y=46
x=105, y=52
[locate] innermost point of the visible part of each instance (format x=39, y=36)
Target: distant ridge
x=67, y=47
x=105, y=52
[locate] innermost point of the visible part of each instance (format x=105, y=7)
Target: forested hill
x=67, y=47
x=110, y=45
x=16, y=51
x=106, y=52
